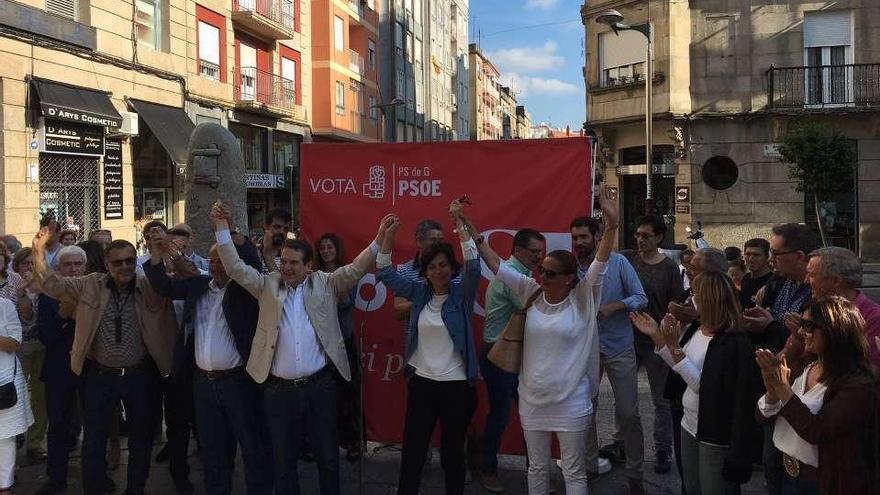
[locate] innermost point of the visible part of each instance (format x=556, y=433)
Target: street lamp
x=614, y=20
x=395, y=102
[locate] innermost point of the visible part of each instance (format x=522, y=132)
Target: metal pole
x=649, y=124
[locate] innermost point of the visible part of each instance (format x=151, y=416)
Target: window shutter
x=64, y=8
x=628, y=48
x=828, y=28
x=209, y=43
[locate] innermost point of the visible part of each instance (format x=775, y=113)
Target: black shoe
x=163, y=455
x=664, y=464
x=184, y=487
x=614, y=452
x=109, y=485
x=353, y=454
x=51, y=488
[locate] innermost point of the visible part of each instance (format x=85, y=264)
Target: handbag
x=506, y=352
x=8, y=393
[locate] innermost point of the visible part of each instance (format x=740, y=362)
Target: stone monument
x=214, y=170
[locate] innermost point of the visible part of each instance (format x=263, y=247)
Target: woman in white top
x=560, y=365
x=16, y=419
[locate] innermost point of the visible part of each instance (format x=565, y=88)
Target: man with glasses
x=662, y=282
x=501, y=303
x=124, y=331
x=757, y=257
x=622, y=293
x=786, y=295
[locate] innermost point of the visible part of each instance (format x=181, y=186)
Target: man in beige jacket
x=297, y=347
x=124, y=331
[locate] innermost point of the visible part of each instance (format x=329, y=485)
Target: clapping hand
x=776, y=375
x=670, y=331
x=792, y=322
x=757, y=319
x=646, y=324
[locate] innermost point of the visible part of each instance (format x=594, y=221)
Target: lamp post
x=395, y=102
x=614, y=20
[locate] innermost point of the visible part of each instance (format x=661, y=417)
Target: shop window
x=253, y=141
x=209, y=51
x=148, y=24
x=720, y=172
x=284, y=151
x=69, y=191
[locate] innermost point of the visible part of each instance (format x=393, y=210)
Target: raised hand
x=645, y=324
x=41, y=239
x=609, y=207
x=456, y=210
x=386, y=222
x=220, y=212
x=670, y=331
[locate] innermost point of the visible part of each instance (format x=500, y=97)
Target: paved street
x=381, y=465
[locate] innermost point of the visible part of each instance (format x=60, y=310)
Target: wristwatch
x=677, y=353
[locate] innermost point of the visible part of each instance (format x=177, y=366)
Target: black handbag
x=8, y=393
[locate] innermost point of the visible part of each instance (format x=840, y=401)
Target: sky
x=537, y=47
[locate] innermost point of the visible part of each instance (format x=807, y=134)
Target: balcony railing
x=257, y=88
x=827, y=86
x=209, y=70
x=358, y=122
x=279, y=11
x=355, y=61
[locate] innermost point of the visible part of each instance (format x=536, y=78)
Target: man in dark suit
x=219, y=321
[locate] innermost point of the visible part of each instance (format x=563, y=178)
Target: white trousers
x=7, y=462
x=574, y=467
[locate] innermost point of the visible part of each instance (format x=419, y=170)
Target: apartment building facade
x=730, y=78
x=523, y=123
x=422, y=79
x=99, y=101
x=485, y=98
x=345, y=71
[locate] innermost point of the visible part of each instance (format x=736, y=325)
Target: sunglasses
x=123, y=261
x=545, y=273
x=808, y=325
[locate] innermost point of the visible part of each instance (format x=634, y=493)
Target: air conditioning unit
x=129, y=125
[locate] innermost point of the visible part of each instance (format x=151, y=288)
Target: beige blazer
x=320, y=303
x=90, y=295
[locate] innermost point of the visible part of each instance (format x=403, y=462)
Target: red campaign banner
x=348, y=188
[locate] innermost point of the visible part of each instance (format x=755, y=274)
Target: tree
x=818, y=159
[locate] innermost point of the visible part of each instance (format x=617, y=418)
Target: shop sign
x=682, y=194
x=264, y=181
x=683, y=208
x=71, y=138
x=113, y=179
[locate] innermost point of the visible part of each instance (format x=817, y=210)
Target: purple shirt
x=871, y=313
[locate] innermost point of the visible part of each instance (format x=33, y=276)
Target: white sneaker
x=604, y=465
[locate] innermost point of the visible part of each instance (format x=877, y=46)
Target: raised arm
x=58, y=287
x=402, y=286
x=471, y=280
x=610, y=217
x=246, y=276
x=344, y=278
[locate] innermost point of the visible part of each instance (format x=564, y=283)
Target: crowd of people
x=760, y=355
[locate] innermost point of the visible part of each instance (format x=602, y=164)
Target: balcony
x=269, y=19
x=355, y=62
x=266, y=93
x=358, y=122
x=209, y=70
x=854, y=86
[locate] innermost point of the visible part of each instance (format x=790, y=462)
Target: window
x=398, y=38
x=147, y=22
x=400, y=85
x=340, y=98
x=339, y=33
x=828, y=79
x=372, y=5
x=288, y=80
x=720, y=172
x=284, y=148
x=64, y=8
x=374, y=108
x=621, y=58
x=209, y=51
x=371, y=54
x=254, y=144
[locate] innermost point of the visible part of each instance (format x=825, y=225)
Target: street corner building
x=100, y=97
x=730, y=78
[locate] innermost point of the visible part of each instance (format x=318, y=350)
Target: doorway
x=634, y=189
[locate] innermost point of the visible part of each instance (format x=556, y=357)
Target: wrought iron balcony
x=264, y=92
x=271, y=19
x=827, y=86
x=355, y=62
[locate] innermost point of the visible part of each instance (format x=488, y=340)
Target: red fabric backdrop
x=347, y=188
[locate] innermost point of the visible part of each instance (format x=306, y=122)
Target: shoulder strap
x=531, y=300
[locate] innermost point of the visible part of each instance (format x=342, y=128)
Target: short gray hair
x=72, y=251
x=715, y=259
x=840, y=262
x=426, y=226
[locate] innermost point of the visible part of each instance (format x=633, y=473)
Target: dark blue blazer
x=239, y=307
x=56, y=334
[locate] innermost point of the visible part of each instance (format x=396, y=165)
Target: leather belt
x=798, y=469
x=299, y=382
x=220, y=374
x=119, y=371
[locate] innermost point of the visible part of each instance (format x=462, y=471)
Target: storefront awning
x=76, y=104
x=171, y=126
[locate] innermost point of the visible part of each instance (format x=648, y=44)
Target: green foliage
x=818, y=158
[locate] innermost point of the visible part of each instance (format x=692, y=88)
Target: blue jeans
x=501, y=387
x=703, y=464
x=293, y=409
x=798, y=486
x=61, y=396
x=138, y=391
x=226, y=412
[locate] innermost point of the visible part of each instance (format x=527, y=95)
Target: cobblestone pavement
x=381, y=468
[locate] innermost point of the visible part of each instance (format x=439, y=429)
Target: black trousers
x=62, y=394
x=453, y=404
x=177, y=401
